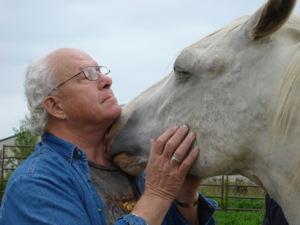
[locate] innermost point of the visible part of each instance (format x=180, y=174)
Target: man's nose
x=104, y=81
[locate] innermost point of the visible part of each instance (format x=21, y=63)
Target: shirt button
x=79, y=153
x=99, y=210
x=89, y=180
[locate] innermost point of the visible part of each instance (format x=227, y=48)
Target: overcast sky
x=136, y=39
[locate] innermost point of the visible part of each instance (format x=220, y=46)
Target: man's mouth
x=109, y=97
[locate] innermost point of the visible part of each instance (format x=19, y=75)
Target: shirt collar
x=65, y=149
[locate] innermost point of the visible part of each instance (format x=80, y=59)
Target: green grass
x=237, y=217
x=240, y=217
x=242, y=203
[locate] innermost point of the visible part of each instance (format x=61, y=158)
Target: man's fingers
x=152, y=142
x=184, y=147
x=188, y=161
x=160, y=143
x=174, y=142
x=164, y=176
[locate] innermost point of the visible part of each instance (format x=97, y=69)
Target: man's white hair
x=39, y=81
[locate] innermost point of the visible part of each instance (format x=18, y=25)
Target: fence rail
x=223, y=186
x=217, y=196
x=3, y=169
x=240, y=197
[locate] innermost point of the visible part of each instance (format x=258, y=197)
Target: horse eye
x=181, y=74
x=180, y=70
x=185, y=73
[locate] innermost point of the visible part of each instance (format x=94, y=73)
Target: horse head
x=233, y=89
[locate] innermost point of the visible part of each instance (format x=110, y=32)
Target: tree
x=23, y=137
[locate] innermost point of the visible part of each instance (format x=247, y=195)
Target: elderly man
x=69, y=179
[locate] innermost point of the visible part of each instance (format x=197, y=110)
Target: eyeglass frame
x=79, y=74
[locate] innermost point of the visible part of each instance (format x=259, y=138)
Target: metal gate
x=3, y=168
x=224, y=186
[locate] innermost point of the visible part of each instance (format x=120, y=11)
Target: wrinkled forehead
x=67, y=62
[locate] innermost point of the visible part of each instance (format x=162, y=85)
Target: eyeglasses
x=90, y=72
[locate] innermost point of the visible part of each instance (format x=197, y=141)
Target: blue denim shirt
x=53, y=186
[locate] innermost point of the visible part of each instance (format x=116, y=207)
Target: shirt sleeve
x=40, y=200
x=131, y=220
x=274, y=214
x=206, y=209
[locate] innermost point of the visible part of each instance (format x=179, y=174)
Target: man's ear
x=53, y=107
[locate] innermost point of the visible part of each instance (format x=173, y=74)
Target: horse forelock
x=218, y=62
x=216, y=37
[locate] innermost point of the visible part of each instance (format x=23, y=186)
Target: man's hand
x=189, y=194
x=164, y=177
x=189, y=190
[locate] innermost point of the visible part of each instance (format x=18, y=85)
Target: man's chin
x=116, y=111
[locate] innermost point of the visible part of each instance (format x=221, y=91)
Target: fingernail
x=175, y=128
x=184, y=127
x=191, y=135
x=196, y=149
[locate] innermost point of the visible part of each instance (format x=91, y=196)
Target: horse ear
x=270, y=17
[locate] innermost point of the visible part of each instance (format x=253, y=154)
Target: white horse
x=238, y=90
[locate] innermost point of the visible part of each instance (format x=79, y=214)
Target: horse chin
x=132, y=165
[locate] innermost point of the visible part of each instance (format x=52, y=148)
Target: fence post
x=235, y=188
x=10, y=157
x=226, y=194
x=222, y=193
x=2, y=174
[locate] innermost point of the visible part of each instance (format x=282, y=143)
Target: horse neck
x=274, y=170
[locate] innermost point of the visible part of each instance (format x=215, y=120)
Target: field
x=232, y=217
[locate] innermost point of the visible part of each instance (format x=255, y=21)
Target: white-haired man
x=70, y=180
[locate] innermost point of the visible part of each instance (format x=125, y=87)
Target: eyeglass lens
x=91, y=73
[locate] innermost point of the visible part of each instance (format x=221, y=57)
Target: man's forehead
x=67, y=54
x=69, y=59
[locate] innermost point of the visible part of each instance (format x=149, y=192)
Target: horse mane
x=287, y=99
x=219, y=35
